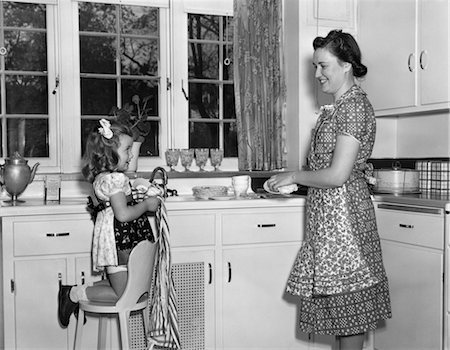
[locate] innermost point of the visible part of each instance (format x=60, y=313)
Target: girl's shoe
x=65, y=306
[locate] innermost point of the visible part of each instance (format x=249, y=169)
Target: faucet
x=163, y=176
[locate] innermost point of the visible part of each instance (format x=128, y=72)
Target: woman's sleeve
x=353, y=118
x=113, y=183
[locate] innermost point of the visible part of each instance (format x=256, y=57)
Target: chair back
x=140, y=273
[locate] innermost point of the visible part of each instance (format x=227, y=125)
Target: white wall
x=423, y=136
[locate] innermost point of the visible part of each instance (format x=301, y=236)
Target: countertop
x=33, y=206
x=427, y=199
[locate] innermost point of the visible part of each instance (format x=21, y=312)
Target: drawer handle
x=266, y=225
x=229, y=272
x=406, y=226
x=59, y=234
x=210, y=273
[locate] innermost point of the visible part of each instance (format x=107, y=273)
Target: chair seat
x=108, y=308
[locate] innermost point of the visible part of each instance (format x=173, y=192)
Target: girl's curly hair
x=344, y=47
x=101, y=153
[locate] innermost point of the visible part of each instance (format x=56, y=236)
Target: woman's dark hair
x=344, y=47
x=101, y=153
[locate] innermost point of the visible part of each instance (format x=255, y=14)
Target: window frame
x=63, y=64
x=180, y=11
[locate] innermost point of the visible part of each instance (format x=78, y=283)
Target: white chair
x=140, y=272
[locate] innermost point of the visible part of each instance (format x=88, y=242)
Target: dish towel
x=163, y=325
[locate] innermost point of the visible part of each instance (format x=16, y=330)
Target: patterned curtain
x=259, y=84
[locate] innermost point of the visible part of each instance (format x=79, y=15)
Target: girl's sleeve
x=353, y=118
x=111, y=184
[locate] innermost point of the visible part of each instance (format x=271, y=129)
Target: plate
x=267, y=189
x=221, y=198
x=288, y=189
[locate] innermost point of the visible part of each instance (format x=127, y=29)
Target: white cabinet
x=405, y=45
x=413, y=252
x=39, y=253
x=259, y=248
x=234, y=264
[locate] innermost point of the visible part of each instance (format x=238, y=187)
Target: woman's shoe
x=65, y=306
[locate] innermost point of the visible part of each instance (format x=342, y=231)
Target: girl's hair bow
x=105, y=130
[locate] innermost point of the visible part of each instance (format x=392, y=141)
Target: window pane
x=203, y=101
x=228, y=62
x=140, y=20
x=203, y=61
x=229, y=112
x=96, y=17
x=205, y=27
x=98, y=96
x=98, y=54
x=203, y=135
x=150, y=147
x=23, y=15
x=26, y=94
x=139, y=56
x=230, y=140
x=25, y=50
x=142, y=88
x=29, y=137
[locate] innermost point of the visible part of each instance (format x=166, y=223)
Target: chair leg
x=102, y=329
x=145, y=317
x=79, y=331
x=123, y=324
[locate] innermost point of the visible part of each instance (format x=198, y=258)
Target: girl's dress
x=113, y=240
x=338, y=273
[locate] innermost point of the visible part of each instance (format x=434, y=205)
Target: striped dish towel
x=163, y=325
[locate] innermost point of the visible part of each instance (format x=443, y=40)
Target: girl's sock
x=78, y=293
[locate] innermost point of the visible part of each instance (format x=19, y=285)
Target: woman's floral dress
x=338, y=273
x=113, y=240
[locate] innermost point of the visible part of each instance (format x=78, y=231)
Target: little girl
x=120, y=222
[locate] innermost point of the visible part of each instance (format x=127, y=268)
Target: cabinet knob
x=423, y=59
x=411, y=65
x=406, y=226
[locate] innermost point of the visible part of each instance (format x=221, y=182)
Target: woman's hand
x=279, y=180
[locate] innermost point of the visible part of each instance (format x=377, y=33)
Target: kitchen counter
x=32, y=206
x=427, y=199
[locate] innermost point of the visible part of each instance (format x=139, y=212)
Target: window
x=212, y=120
x=119, y=56
x=26, y=68
x=66, y=64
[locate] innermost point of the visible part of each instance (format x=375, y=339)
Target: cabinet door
x=386, y=35
x=36, y=286
x=416, y=286
x=194, y=277
x=257, y=314
x=434, y=51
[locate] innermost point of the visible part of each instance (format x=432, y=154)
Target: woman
x=338, y=273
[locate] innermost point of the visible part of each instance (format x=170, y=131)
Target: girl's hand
x=152, y=203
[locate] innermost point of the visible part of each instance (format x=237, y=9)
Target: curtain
x=259, y=84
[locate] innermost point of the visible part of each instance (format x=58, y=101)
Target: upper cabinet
x=405, y=45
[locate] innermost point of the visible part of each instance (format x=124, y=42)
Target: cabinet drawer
x=52, y=237
x=414, y=228
x=262, y=227
x=192, y=229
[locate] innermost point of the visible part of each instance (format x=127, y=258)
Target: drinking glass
x=201, y=157
x=187, y=156
x=216, y=158
x=172, y=156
